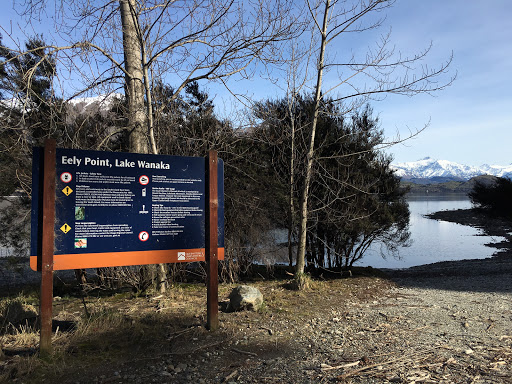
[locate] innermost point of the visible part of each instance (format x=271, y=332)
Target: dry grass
x=124, y=328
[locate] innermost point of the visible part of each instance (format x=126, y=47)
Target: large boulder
x=245, y=297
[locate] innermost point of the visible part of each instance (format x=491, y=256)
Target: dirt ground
x=450, y=329
x=448, y=322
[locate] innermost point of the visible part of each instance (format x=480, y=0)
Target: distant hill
x=450, y=186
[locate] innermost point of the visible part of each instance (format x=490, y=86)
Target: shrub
x=495, y=196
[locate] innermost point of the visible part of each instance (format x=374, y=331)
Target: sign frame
x=138, y=252
x=44, y=261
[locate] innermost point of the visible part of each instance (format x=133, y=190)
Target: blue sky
x=471, y=121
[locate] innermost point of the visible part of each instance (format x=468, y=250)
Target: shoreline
x=12, y=276
x=481, y=219
x=500, y=263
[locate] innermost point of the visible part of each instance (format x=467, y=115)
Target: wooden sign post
x=211, y=223
x=47, y=248
x=137, y=238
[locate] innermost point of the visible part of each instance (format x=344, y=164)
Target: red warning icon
x=66, y=177
x=144, y=180
x=143, y=236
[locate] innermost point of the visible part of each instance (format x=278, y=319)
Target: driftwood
x=326, y=367
x=407, y=358
x=230, y=376
x=244, y=352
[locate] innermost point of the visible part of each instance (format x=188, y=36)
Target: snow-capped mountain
x=79, y=105
x=428, y=168
x=94, y=104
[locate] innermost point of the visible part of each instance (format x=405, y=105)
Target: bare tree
x=280, y=126
x=356, y=81
x=128, y=44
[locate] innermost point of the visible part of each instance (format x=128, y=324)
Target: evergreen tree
x=355, y=199
x=493, y=196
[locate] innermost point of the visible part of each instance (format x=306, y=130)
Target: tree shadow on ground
x=486, y=275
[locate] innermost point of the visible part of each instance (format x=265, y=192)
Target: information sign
x=114, y=209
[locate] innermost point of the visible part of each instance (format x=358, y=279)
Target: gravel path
x=451, y=329
x=448, y=322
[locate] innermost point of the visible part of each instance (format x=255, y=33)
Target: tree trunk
x=81, y=278
x=137, y=132
x=291, y=222
x=301, y=251
x=137, y=84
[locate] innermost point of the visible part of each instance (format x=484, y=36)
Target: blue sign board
x=114, y=208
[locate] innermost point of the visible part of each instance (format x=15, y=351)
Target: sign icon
x=65, y=228
x=143, y=236
x=143, y=192
x=66, y=177
x=143, y=209
x=144, y=180
x=80, y=243
x=67, y=191
x=181, y=255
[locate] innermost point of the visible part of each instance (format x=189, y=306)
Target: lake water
x=434, y=240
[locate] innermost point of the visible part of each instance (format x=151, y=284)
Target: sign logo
x=181, y=256
x=67, y=191
x=66, y=177
x=144, y=180
x=143, y=236
x=65, y=228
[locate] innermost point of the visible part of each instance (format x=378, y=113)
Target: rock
x=245, y=297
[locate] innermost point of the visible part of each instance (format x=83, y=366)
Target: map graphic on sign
x=114, y=209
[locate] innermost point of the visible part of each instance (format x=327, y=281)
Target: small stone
x=468, y=351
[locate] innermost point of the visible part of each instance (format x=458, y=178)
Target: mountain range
x=439, y=171
x=424, y=171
